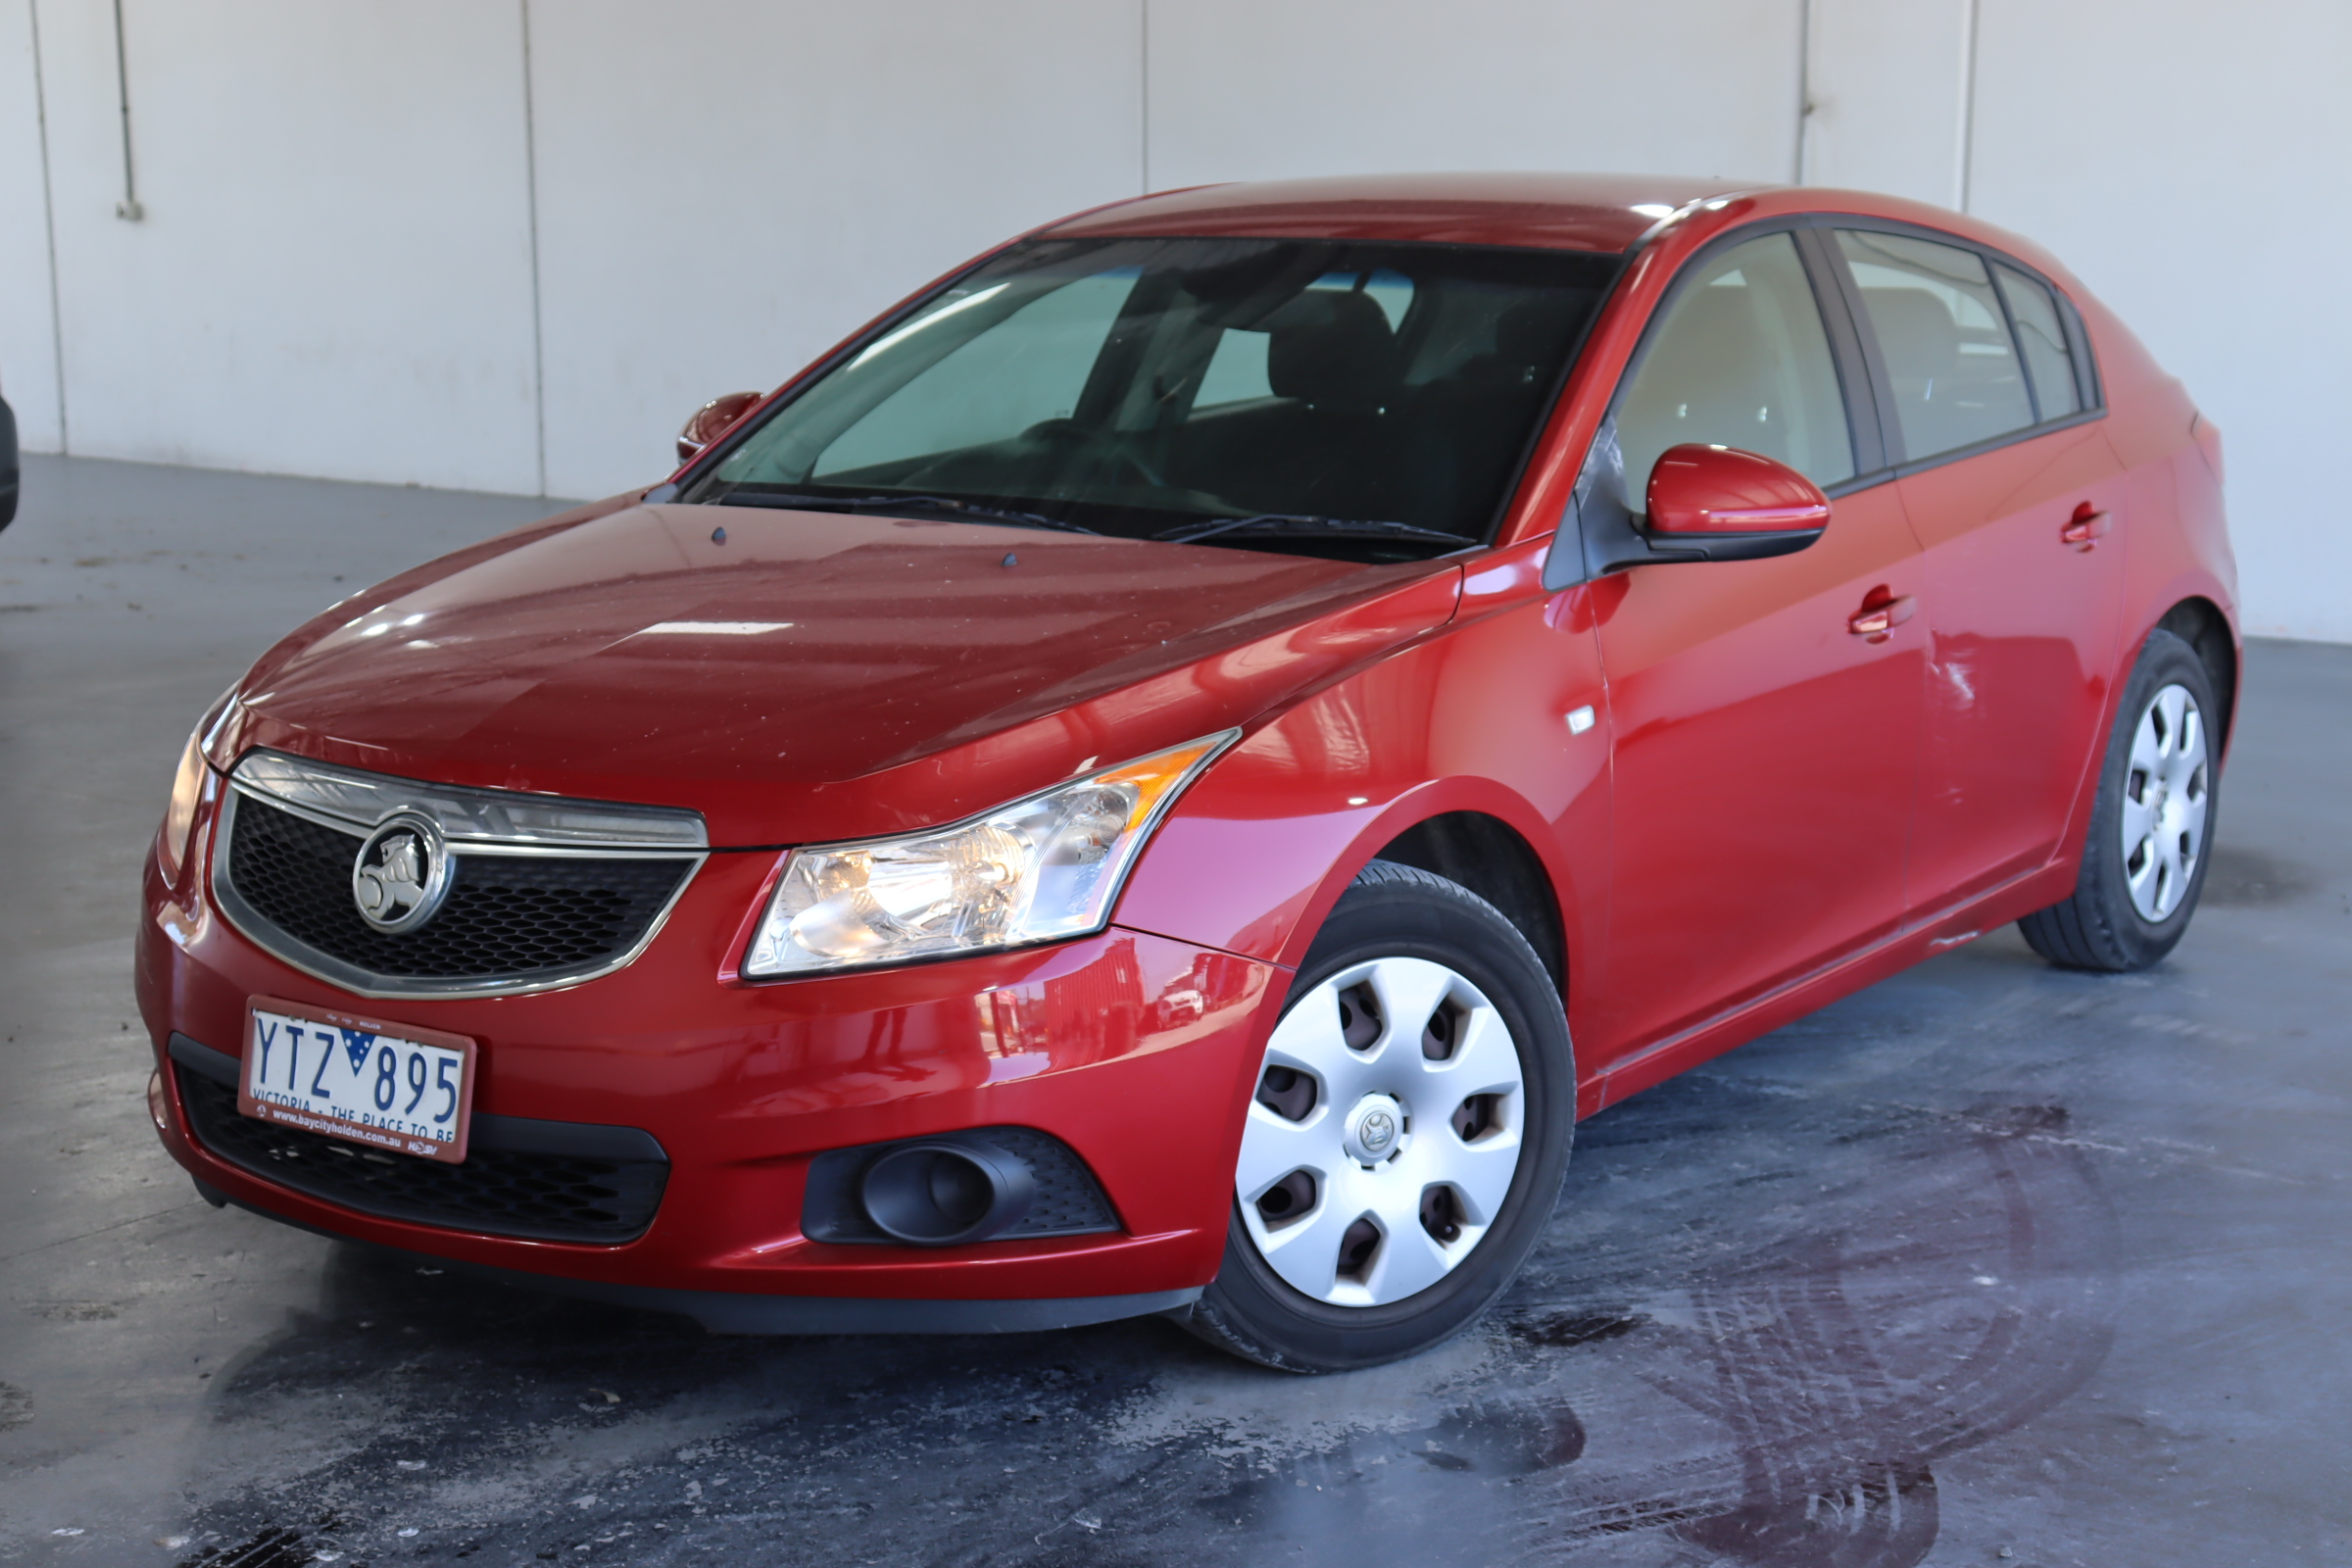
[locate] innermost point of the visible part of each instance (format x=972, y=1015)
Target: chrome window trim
x=265, y=934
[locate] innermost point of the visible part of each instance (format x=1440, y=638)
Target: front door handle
x=1881, y=613
x=2087, y=527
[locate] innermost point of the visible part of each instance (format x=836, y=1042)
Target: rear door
x=1765, y=749
x=2019, y=503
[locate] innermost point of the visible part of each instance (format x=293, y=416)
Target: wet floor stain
x=1778, y=1399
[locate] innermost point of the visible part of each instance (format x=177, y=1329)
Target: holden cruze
x=1165, y=774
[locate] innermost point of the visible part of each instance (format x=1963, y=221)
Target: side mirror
x=713, y=419
x=1703, y=503
x=1722, y=504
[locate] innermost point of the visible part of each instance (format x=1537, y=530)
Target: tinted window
x=1739, y=359
x=990, y=387
x=1943, y=339
x=1137, y=386
x=2048, y=360
x=1237, y=371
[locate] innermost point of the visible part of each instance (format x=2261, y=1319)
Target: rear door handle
x=2085, y=527
x=1878, y=617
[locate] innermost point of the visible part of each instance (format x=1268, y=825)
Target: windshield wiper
x=969, y=509
x=1301, y=524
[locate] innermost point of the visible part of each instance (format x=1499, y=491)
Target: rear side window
x=1739, y=359
x=2049, y=363
x=1237, y=371
x=1943, y=339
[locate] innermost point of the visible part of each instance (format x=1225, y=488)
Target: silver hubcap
x=1384, y=1134
x=2164, y=803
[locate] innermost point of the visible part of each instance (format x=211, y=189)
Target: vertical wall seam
x=531, y=184
x=1964, y=155
x=1143, y=96
x=1804, y=87
x=56, y=319
x=128, y=208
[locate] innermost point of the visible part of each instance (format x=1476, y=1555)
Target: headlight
x=180, y=814
x=187, y=785
x=1037, y=870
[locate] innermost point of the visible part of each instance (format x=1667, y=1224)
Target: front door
x=1766, y=733
x=2025, y=553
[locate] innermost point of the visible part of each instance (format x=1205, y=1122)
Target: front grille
x=508, y=917
x=496, y=1191
x=1069, y=1202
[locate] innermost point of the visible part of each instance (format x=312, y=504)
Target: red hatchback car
x=1115, y=791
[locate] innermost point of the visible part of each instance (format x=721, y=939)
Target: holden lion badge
x=402, y=874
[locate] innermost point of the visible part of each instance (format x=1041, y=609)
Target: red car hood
x=816, y=675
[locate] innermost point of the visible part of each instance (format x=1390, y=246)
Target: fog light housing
x=942, y=1193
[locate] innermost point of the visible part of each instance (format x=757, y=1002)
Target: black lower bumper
x=744, y=1312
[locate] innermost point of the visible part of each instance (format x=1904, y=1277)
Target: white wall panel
x=336, y=274
x=1256, y=89
x=1886, y=81
x=27, y=341
x=333, y=277
x=2184, y=163
x=726, y=187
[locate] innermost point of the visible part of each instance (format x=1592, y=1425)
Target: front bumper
x=1136, y=1051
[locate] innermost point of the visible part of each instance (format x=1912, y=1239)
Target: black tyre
x=2145, y=852
x=1408, y=1137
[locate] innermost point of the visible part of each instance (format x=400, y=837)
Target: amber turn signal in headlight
x=1038, y=871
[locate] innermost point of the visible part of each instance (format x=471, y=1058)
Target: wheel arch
x=2199, y=622
x=1284, y=854
x=1490, y=858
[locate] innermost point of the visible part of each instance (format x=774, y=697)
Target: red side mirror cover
x=1717, y=490
x=713, y=419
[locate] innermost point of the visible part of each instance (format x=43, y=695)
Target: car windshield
x=1365, y=400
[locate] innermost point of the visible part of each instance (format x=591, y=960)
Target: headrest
x=1333, y=350
x=1916, y=334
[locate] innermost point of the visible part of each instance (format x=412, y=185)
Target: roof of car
x=1566, y=211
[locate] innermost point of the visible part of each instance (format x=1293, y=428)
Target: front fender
x=1257, y=852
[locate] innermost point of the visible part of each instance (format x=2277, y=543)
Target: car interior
x=1137, y=394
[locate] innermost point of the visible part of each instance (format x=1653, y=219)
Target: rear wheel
x=2144, y=855
x=1407, y=1138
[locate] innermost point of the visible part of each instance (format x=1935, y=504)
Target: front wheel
x=1408, y=1137
x=2144, y=854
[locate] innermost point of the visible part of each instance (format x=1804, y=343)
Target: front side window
x=1739, y=359
x=1149, y=387
x=1943, y=339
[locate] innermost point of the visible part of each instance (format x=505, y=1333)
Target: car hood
x=802, y=676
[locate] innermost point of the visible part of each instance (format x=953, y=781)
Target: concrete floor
x=1992, y=1263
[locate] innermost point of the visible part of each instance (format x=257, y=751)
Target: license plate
x=388, y=1085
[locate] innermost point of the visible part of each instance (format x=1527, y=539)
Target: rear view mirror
x=1730, y=505
x=713, y=420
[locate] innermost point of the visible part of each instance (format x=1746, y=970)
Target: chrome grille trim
x=500, y=820
x=474, y=808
